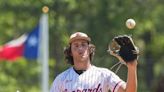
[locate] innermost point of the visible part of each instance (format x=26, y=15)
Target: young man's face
x=80, y=50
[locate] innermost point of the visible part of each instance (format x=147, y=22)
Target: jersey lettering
x=97, y=89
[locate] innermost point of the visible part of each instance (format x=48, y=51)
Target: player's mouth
x=81, y=54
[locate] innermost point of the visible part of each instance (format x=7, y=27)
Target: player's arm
x=127, y=53
x=131, y=85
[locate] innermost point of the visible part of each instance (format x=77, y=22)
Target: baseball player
x=85, y=77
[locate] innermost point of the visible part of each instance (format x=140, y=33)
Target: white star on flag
x=32, y=41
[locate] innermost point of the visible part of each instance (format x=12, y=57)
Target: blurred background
x=100, y=19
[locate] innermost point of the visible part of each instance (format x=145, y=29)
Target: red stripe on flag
x=11, y=53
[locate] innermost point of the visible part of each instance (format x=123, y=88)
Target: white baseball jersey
x=94, y=79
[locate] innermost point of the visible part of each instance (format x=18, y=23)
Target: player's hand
x=123, y=48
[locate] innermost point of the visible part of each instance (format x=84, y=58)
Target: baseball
x=130, y=23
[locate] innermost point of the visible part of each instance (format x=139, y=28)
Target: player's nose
x=80, y=49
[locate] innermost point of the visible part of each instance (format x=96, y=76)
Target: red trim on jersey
x=116, y=86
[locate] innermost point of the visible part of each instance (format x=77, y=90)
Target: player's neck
x=82, y=66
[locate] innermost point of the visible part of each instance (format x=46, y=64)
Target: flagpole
x=44, y=53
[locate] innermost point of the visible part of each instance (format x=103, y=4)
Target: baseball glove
x=123, y=48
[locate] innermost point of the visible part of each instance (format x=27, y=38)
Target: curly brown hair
x=69, y=57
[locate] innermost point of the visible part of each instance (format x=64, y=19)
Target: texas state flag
x=24, y=46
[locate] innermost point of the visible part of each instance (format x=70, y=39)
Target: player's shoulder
x=62, y=75
x=101, y=70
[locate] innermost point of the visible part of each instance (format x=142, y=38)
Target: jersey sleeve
x=56, y=85
x=114, y=82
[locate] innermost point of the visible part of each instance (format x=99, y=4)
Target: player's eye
x=75, y=46
x=84, y=44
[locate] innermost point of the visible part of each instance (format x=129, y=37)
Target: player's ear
x=67, y=51
x=91, y=48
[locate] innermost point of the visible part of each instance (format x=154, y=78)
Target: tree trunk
x=149, y=59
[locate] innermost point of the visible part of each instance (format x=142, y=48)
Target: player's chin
x=85, y=57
